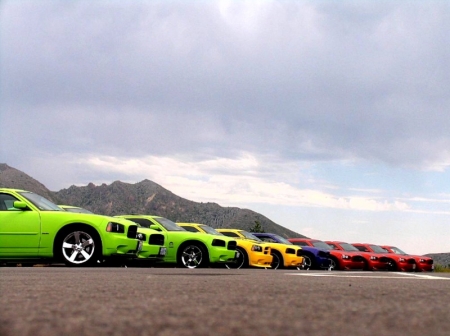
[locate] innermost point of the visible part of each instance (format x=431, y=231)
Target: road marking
x=394, y=275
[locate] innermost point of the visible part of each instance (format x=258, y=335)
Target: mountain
x=442, y=259
x=13, y=178
x=145, y=197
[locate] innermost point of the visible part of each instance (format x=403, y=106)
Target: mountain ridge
x=145, y=197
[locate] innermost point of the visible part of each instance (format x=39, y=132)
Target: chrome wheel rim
x=239, y=262
x=332, y=264
x=192, y=256
x=307, y=262
x=275, y=261
x=78, y=247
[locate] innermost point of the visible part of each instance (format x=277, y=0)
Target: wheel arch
x=193, y=241
x=66, y=228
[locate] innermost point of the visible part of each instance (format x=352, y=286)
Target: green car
x=188, y=249
x=34, y=229
x=153, y=249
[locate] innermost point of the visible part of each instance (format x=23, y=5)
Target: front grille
x=430, y=262
x=232, y=245
x=156, y=239
x=218, y=242
x=299, y=253
x=290, y=251
x=357, y=258
x=132, y=231
x=411, y=261
x=267, y=250
x=324, y=254
x=385, y=259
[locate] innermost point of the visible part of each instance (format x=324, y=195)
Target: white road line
x=398, y=275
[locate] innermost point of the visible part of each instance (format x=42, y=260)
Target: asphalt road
x=173, y=301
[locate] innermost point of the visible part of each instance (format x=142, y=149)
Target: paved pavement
x=172, y=301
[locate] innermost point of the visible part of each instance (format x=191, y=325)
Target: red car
x=340, y=260
x=423, y=264
x=373, y=261
x=397, y=262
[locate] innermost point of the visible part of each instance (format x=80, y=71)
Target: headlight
x=218, y=242
x=422, y=260
x=344, y=256
x=401, y=260
x=115, y=227
x=373, y=258
x=257, y=248
x=140, y=236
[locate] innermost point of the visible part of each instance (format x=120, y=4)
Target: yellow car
x=251, y=254
x=284, y=256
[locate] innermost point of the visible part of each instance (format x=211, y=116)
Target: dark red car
x=340, y=260
x=373, y=261
x=397, y=262
x=423, y=264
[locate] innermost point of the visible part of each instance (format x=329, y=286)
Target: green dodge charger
x=33, y=229
x=188, y=249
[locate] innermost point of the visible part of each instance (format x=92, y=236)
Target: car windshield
x=348, y=247
x=377, y=249
x=322, y=245
x=396, y=250
x=168, y=224
x=282, y=240
x=210, y=230
x=40, y=202
x=248, y=235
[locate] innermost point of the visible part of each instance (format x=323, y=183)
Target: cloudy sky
x=329, y=117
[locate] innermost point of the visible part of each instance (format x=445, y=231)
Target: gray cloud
x=300, y=80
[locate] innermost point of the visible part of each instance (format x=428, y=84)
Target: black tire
x=192, y=255
x=78, y=246
x=392, y=266
x=241, y=262
x=309, y=261
x=277, y=261
x=334, y=265
x=366, y=266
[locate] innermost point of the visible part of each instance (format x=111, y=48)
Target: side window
x=6, y=201
x=267, y=239
x=362, y=248
x=334, y=247
x=230, y=234
x=190, y=228
x=300, y=243
x=141, y=221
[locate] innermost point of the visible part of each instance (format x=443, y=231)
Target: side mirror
x=18, y=205
x=155, y=227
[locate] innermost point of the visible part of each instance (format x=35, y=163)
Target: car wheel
x=277, y=261
x=191, y=256
x=308, y=262
x=392, y=266
x=334, y=265
x=366, y=265
x=241, y=261
x=79, y=247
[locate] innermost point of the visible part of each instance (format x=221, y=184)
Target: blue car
x=314, y=258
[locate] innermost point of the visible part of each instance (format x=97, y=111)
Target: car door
x=20, y=230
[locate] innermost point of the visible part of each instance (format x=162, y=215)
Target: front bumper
x=128, y=251
x=222, y=255
x=291, y=260
x=348, y=264
x=259, y=259
x=153, y=252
